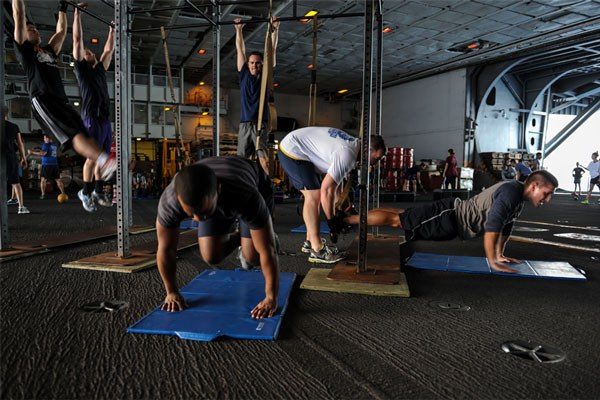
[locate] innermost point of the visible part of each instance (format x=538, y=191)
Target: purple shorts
x=101, y=131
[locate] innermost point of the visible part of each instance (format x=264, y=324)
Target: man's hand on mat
x=505, y=259
x=498, y=266
x=174, y=302
x=265, y=308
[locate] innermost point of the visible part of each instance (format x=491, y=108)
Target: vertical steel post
x=129, y=124
x=548, y=111
x=216, y=79
x=365, y=133
x=122, y=130
x=3, y=194
x=378, y=96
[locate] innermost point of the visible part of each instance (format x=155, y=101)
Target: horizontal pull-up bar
x=91, y=14
x=246, y=22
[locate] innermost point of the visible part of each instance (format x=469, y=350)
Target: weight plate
x=97, y=306
x=447, y=305
x=535, y=352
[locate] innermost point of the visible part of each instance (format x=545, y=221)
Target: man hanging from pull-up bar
x=490, y=214
x=95, y=108
x=49, y=101
x=249, y=70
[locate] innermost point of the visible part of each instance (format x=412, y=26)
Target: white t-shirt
x=331, y=150
x=594, y=168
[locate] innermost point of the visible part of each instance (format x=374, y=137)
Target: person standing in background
x=450, y=170
x=594, y=169
x=13, y=142
x=577, y=174
x=50, y=170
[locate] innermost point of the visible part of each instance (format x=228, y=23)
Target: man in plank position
x=48, y=98
x=305, y=154
x=95, y=108
x=491, y=213
x=216, y=192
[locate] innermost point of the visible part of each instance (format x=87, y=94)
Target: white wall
x=294, y=106
x=497, y=126
x=427, y=115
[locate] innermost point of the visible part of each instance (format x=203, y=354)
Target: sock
x=99, y=186
x=102, y=159
x=87, y=188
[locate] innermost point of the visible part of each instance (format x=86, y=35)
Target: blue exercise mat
x=219, y=304
x=479, y=265
x=188, y=224
x=324, y=229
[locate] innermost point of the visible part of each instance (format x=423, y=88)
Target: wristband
x=62, y=7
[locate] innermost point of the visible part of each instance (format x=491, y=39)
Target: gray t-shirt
x=245, y=192
x=493, y=210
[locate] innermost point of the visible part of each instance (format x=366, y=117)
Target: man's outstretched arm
x=18, y=10
x=78, y=49
x=166, y=256
x=263, y=243
x=240, y=46
x=491, y=242
x=109, y=48
x=57, y=40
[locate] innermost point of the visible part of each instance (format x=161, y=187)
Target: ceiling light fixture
x=139, y=139
x=202, y=52
x=342, y=91
x=311, y=13
x=204, y=112
x=276, y=84
x=167, y=108
x=76, y=104
x=202, y=83
x=387, y=29
x=473, y=46
x=94, y=40
x=310, y=66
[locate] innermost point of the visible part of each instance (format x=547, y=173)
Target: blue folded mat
x=219, y=304
x=188, y=224
x=479, y=265
x=302, y=228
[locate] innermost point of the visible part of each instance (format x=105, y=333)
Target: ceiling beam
x=571, y=127
x=572, y=100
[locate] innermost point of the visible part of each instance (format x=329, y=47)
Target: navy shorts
x=302, y=173
x=12, y=171
x=435, y=221
x=50, y=172
x=101, y=131
x=595, y=181
x=219, y=225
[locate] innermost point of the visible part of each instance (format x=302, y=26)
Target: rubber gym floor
x=331, y=345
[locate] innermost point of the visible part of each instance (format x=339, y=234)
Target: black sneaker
x=306, y=247
x=327, y=255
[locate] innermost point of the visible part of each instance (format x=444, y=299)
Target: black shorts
x=577, y=181
x=219, y=225
x=595, y=181
x=59, y=118
x=50, y=172
x=435, y=221
x=12, y=171
x=302, y=173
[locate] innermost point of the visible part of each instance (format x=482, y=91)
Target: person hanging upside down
x=491, y=213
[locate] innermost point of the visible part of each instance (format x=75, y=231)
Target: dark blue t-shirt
x=95, y=100
x=507, y=204
x=50, y=157
x=523, y=169
x=250, y=95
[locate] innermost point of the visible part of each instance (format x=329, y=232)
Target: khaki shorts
x=246, y=146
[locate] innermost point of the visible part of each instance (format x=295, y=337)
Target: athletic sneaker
x=23, y=210
x=327, y=255
x=101, y=199
x=86, y=201
x=42, y=197
x=109, y=167
x=11, y=202
x=306, y=247
x=585, y=202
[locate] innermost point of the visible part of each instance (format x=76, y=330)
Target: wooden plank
x=348, y=273
x=15, y=253
x=316, y=279
x=143, y=257
x=555, y=244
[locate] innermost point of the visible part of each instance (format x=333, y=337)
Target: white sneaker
x=101, y=199
x=23, y=210
x=244, y=264
x=86, y=201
